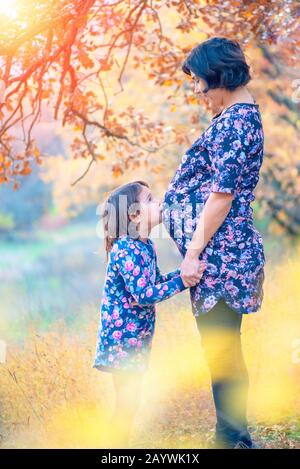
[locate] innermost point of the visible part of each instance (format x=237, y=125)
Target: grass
x=50, y=396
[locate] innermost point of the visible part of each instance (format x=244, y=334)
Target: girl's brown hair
x=116, y=212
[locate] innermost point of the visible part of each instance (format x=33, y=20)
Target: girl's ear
x=135, y=217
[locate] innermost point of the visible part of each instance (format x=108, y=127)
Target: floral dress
x=133, y=284
x=225, y=158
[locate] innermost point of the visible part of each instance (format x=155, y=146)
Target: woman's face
x=213, y=98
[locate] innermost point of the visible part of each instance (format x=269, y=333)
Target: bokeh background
x=52, y=259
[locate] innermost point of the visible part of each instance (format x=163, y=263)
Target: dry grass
x=50, y=395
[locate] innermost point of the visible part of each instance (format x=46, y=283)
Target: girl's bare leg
x=128, y=389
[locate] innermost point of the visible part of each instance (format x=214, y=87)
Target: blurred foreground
x=50, y=396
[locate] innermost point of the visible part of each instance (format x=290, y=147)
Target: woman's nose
x=198, y=90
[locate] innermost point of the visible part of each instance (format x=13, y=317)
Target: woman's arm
x=211, y=218
x=227, y=156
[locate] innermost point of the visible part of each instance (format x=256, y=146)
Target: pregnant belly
x=237, y=240
x=180, y=220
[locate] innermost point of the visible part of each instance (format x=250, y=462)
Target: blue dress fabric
x=225, y=158
x=133, y=285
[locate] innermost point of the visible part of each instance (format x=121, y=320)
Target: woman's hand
x=191, y=271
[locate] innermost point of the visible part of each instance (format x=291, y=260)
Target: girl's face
x=149, y=214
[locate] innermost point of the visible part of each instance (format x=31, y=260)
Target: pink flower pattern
x=225, y=158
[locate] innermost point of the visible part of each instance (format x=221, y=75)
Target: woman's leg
x=220, y=331
x=128, y=389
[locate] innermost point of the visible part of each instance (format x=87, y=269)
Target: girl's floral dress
x=133, y=284
x=226, y=158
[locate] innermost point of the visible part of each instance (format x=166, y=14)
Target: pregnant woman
x=207, y=212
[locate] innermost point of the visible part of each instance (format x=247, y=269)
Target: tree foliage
x=60, y=57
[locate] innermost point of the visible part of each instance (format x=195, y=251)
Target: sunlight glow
x=9, y=8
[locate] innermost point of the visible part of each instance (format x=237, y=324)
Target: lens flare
x=8, y=9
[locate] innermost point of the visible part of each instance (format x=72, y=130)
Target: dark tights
x=220, y=331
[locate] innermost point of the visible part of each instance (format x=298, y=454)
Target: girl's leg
x=128, y=390
x=221, y=342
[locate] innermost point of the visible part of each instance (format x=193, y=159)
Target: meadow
x=50, y=396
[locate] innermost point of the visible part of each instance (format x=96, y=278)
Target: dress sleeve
x=165, y=277
x=228, y=159
x=137, y=277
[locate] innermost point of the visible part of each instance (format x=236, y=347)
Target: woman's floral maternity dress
x=226, y=158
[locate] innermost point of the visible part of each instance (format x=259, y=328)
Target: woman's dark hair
x=116, y=209
x=220, y=62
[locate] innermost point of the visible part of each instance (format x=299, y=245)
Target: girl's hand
x=191, y=282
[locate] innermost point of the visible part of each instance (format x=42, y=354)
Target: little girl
x=133, y=284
